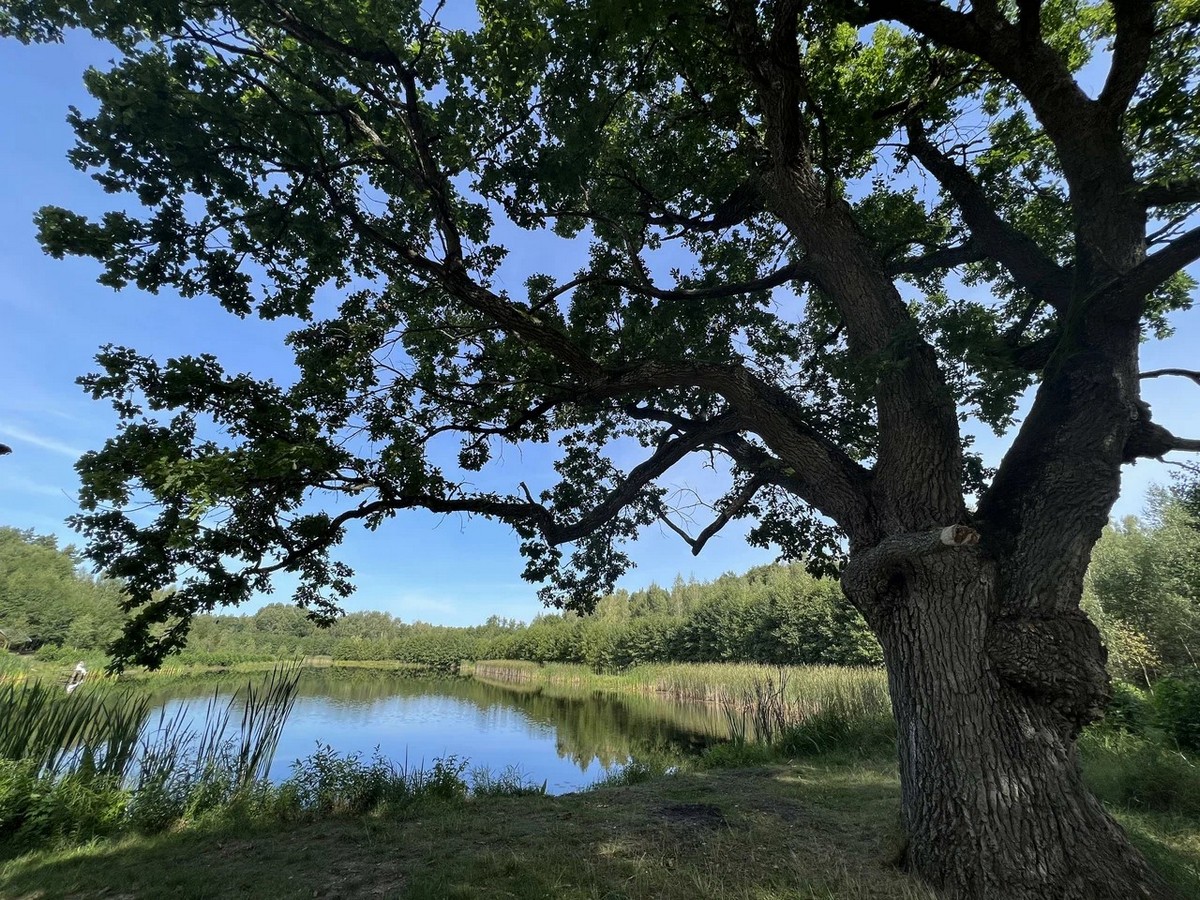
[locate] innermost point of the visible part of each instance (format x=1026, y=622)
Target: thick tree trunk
x=993, y=802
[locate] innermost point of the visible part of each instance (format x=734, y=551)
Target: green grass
x=786, y=832
x=816, y=816
x=819, y=830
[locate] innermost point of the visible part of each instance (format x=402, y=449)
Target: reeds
x=100, y=730
x=190, y=748
x=94, y=729
x=97, y=744
x=794, y=710
x=856, y=690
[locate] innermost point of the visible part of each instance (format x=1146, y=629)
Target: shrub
x=1130, y=708
x=1177, y=710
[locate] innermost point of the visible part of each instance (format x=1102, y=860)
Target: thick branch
x=1175, y=190
x=744, y=202
x=919, y=433
x=781, y=276
x=800, y=459
x=1089, y=145
x=1016, y=251
x=1147, y=275
x=1134, y=21
x=942, y=258
x=1149, y=440
x=639, y=477
x=512, y=510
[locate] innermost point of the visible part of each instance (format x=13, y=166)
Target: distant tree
x=768, y=283
x=1186, y=490
x=1144, y=590
x=46, y=599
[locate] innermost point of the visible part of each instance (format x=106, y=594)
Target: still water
x=569, y=739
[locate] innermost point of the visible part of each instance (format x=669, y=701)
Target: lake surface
x=568, y=739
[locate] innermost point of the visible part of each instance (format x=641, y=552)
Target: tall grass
x=89, y=762
x=94, y=729
x=809, y=688
x=176, y=747
x=786, y=710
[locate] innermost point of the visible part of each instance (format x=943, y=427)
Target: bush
x=36, y=810
x=1130, y=709
x=1177, y=710
x=327, y=783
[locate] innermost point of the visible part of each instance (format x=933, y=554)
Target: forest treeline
x=1143, y=590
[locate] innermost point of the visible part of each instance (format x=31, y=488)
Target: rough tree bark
x=993, y=670
x=987, y=714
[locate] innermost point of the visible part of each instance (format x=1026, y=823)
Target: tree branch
x=942, y=258
x=1153, y=270
x=667, y=454
x=1025, y=260
x=1183, y=373
x=731, y=509
x=1040, y=72
x=1150, y=440
x=1134, y=21
x=781, y=276
x=1175, y=190
x=744, y=202
x=917, y=420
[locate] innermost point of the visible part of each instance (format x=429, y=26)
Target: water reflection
x=567, y=738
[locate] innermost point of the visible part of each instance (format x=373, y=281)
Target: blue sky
x=53, y=317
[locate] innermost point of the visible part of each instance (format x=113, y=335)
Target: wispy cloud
x=45, y=443
x=29, y=486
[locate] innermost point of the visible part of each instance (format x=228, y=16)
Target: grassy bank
x=795, y=832
x=810, y=688
x=800, y=832
x=817, y=816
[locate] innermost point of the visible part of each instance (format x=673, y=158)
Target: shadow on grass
x=795, y=832
x=773, y=833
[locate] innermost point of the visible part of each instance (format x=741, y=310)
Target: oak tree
x=820, y=237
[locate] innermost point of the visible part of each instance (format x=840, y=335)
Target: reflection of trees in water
x=588, y=725
x=612, y=729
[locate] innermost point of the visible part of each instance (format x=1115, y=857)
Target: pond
x=568, y=739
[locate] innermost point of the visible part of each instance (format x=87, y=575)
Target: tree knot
x=1057, y=658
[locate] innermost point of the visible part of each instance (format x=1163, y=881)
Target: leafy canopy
x=359, y=168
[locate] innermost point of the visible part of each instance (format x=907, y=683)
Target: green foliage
x=1143, y=592
x=47, y=601
x=242, y=141
x=1177, y=711
x=326, y=783
x=1130, y=709
x=39, y=810
x=773, y=614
